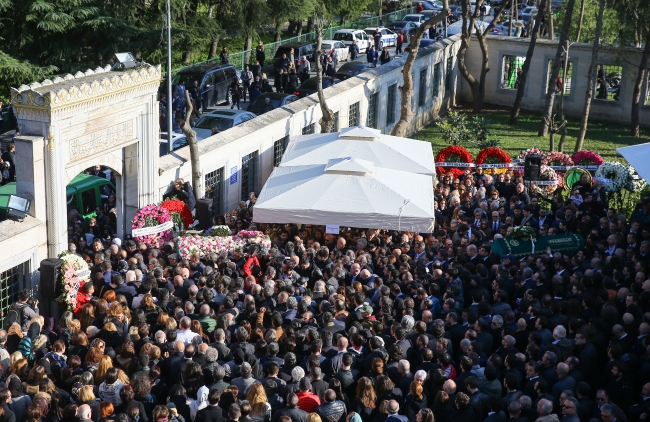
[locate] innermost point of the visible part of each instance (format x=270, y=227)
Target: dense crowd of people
x=364, y=325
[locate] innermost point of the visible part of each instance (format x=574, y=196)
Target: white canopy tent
x=348, y=192
x=389, y=152
x=639, y=157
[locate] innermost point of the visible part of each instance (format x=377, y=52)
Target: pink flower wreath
x=151, y=216
x=586, y=157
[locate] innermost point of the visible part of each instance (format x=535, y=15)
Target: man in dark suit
x=529, y=219
x=212, y=413
x=495, y=414
x=123, y=289
x=180, y=364
x=292, y=410
x=175, y=356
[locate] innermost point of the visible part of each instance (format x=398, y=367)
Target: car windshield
x=396, y=25
x=343, y=36
x=189, y=78
x=259, y=107
x=311, y=83
x=326, y=46
x=210, y=122
x=370, y=31
x=412, y=18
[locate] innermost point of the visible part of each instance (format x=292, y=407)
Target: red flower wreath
x=493, y=152
x=174, y=206
x=457, y=154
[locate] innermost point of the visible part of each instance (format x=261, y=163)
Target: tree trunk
x=292, y=27
x=565, y=68
x=580, y=18
x=190, y=134
x=278, y=31
x=327, y=121
x=213, y=48
x=524, y=70
x=299, y=28
x=592, y=76
x=310, y=25
x=248, y=44
x=187, y=56
x=640, y=77
x=406, y=112
x=550, y=95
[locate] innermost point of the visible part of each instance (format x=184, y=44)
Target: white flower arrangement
x=635, y=183
x=617, y=175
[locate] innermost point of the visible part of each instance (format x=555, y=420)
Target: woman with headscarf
x=200, y=402
x=19, y=401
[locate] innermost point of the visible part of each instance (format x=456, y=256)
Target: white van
x=347, y=35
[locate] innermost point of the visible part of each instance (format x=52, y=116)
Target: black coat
x=210, y=414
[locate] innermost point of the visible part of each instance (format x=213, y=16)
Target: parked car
x=220, y=120
x=418, y=18
x=299, y=49
x=341, y=49
x=427, y=5
x=527, y=13
x=214, y=82
x=388, y=37
x=178, y=141
x=347, y=35
x=350, y=69
x=457, y=27
x=277, y=99
x=409, y=28
x=425, y=42
x=310, y=86
x=455, y=13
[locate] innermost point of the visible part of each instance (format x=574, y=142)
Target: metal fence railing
x=240, y=58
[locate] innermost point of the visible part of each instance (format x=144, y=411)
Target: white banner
x=332, y=229
x=544, y=183
x=83, y=273
x=145, y=231
x=448, y=164
x=495, y=166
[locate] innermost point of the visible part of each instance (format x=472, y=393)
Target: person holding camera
x=22, y=311
x=182, y=191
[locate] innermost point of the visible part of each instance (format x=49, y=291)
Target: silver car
x=219, y=120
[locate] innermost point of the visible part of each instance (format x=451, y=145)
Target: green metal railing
x=248, y=56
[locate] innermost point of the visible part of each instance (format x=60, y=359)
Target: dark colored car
x=299, y=49
x=350, y=69
x=277, y=99
x=310, y=86
x=214, y=82
x=455, y=13
x=408, y=27
x=425, y=42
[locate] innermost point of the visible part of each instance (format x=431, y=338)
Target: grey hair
x=526, y=402
x=219, y=333
x=547, y=406
x=319, y=286
x=297, y=373
x=211, y=354
x=575, y=402
x=160, y=336
x=245, y=369
x=408, y=322
x=560, y=331
x=421, y=373
x=405, y=365
x=465, y=342
x=292, y=303
x=498, y=318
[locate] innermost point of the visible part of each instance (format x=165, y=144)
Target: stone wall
x=225, y=150
x=616, y=57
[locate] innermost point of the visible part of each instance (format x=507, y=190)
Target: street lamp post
x=170, y=113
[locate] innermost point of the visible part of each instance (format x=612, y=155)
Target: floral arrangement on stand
x=557, y=158
x=204, y=245
x=523, y=232
x=587, y=158
x=635, y=183
x=180, y=213
x=219, y=244
x=218, y=231
x=453, y=154
x=613, y=175
x=151, y=216
x=74, y=274
x=495, y=155
x=530, y=151
x=546, y=174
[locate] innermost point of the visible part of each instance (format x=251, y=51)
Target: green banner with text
x=523, y=247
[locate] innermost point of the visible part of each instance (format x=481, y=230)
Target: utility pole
x=170, y=113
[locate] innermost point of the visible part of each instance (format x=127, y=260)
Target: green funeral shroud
x=523, y=247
